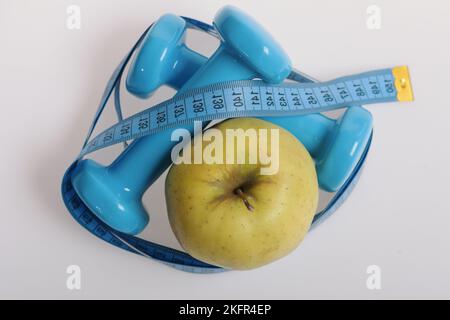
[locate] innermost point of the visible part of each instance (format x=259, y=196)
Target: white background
x=51, y=79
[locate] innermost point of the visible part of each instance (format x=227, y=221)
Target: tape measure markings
x=250, y=99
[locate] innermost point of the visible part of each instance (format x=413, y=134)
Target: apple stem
x=244, y=198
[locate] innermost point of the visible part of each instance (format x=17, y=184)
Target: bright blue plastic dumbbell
x=247, y=51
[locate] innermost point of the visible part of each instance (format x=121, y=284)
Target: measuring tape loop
x=258, y=99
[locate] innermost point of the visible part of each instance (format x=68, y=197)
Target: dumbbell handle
x=221, y=66
x=312, y=130
x=186, y=65
x=150, y=152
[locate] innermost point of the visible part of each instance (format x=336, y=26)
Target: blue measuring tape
x=218, y=101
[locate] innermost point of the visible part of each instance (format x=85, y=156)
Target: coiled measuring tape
x=227, y=100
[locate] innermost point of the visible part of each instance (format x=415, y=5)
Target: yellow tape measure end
x=403, y=83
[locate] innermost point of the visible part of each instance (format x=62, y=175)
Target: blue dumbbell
x=247, y=51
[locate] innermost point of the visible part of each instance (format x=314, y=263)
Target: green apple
x=234, y=216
